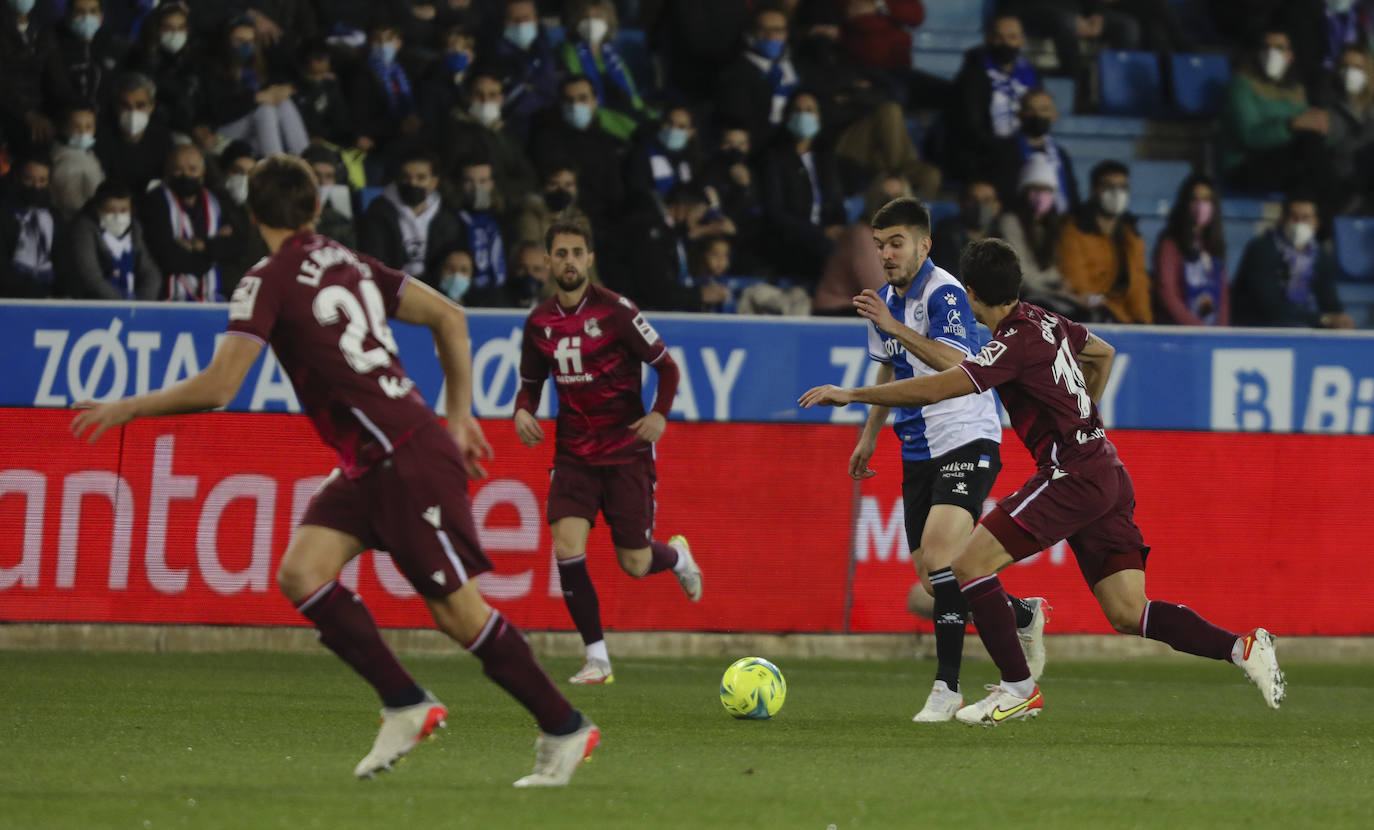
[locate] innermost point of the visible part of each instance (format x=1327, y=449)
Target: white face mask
x=1354, y=79
x=1275, y=63
x=1113, y=202
x=172, y=41
x=116, y=224
x=593, y=29
x=237, y=187
x=486, y=112
x=1299, y=234
x=337, y=197
x=81, y=141
x=133, y=122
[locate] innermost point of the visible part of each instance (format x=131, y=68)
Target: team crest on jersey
x=592, y=327
x=951, y=299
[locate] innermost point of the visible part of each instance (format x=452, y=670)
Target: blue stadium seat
x=1100, y=126
x=1238, y=233
x=1150, y=228
x=956, y=15
x=1099, y=147
x=366, y=195
x=1130, y=83
x=1243, y=207
x=1062, y=90
x=1354, y=238
x=939, y=211
x=633, y=46
x=1149, y=206
x=1358, y=299
x=1199, y=81
x=926, y=39
x=941, y=64
x=554, y=34
x=853, y=207
x=1158, y=178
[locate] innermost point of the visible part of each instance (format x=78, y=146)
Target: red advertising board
x=182, y=520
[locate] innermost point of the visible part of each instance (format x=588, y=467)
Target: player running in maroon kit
x=1050, y=372
x=402, y=479
x=595, y=343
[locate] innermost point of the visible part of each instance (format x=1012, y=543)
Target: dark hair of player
x=1109, y=167
x=570, y=228
x=283, y=192
x=991, y=268
x=904, y=211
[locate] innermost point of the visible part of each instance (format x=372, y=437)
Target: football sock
x=347, y=629
x=950, y=610
x=507, y=660
x=997, y=626
x=664, y=557
x=580, y=596
x=1184, y=630
x=597, y=651
x=1025, y=612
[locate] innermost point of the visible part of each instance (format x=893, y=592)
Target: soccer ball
x=753, y=688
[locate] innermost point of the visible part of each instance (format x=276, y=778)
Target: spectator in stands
x=476, y=128
x=446, y=84
x=235, y=163
x=854, y=266
x=651, y=266
x=336, y=202
x=319, y=97
x=756, y=86
x=91, y=52
x=709, y=264
x=979, y=208
x=1101, y=254
x=427, y=22
x=589, y=51
x=76, y=170
x=730, y=174
x=556, y=200
x=1032, y=227
x=530, y=273
x=573, y=132
x=456, y=280
x=192, y=237
x=27, y=229
x=131, y=143
x=1320, y=30
x=169, y=55
x=1271, y=139
x=1286, y=278
x=986, y=101
x=1032, y=138
x=802, y=201
x=693, y=39
x=382, y=99
x=666, y=157
x=246, y=100
x=104, y=254
x=524, y=61
x=1190, y=259
x=34, y=87
x=484, y=210
x=1350, y=139
x=409, y=227
x=878, y=35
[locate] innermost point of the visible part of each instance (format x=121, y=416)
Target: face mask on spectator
x=133, y=122
x=385, y=52
x=457, y=61
x=237, y=187
x=1298, y=234
x=185, y=186
x=557, y=200
x=1275, y=63
x=86, y=25
x=337, y=197
x=35, y=197
x=770, y=49
x=1202, y=211
x=1113, y=201
x=412, y=195
x=81, y=141
x=479, y=198
x=1041, y=201
x=1035, y=126
x=172, y=41
x=593, y=29
x=1354, y=79
x=672, y=138
x=22, y=6
x=522, y=34
x=486, y=112
x=455, y=285
x=579, y=116
x=244, y=51
x=1003, y=54
x=804, y=125
x=1339, y=6
x=980, y=215
x=116, y=224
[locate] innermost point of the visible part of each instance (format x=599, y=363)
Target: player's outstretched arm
x=938, y=356
x=922, y=391
x=868, y=440
x=1096, y=359
x=210, y=389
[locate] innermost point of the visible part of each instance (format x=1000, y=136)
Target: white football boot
x=556, y=756
x=593, y=672
x=1001, y=706
x=1254, y=652
x=1033, y=637
x=688, y=573
x=940, y=706
x=401, y=730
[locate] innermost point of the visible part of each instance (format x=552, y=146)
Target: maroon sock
x=664, y=557
x=996, y=622
x=507, y=660
x=347, y=629
x=580, y=595
x=1182, y=629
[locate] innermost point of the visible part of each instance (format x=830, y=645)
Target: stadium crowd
x=724, y=152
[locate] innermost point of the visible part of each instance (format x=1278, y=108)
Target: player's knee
x=1124, y=619
x=634, y=562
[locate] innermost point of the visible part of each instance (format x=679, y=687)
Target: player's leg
x=629, y=508
x=575, y=494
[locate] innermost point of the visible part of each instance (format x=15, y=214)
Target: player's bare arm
x=933, y=353
x=1096, y=359
x=423, y=306
x=868, y=440
x=212, y=388
x=921, y=391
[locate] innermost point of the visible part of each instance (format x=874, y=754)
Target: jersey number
x=1066, y=371
x=568, y=353
x=335, y=301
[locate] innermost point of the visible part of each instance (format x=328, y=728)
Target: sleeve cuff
x=248, y=334
x=949, y=341
x=976, y=384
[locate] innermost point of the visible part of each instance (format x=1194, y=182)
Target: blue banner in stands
x=733, y=369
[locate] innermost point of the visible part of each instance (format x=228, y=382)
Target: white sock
x=597, y=651
x=1021, y=688
x=680, y=566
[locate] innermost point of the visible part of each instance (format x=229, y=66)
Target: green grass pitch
x=269, y=740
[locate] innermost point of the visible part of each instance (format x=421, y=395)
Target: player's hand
x=858, y=462
x=650, y=427
x=468, y=433
x=527, y=428
x=102, y=416
x=827, y=395
x=871, y=307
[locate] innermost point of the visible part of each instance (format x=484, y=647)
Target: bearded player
x=401, y=484
x=595, y=343
x=1050, y=373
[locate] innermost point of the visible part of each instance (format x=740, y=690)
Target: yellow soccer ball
x=753, y=688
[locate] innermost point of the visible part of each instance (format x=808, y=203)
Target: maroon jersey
x=1032, y=361
x=595, y=352
x=323, y=308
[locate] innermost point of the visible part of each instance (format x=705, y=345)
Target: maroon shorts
x=623, y=493
x=413, y=505
x=1094, y=508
